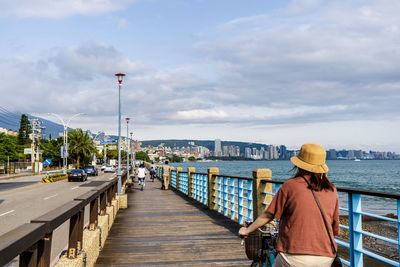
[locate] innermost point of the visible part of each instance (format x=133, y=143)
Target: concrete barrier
x=91, y=246
x=64, y=261
x=103, y=224
x=123, y=201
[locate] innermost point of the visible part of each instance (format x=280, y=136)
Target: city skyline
x=285, y=72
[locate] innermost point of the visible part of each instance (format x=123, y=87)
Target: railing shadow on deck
x=238, y=198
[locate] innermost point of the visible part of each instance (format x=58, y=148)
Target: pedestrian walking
x=165, y=169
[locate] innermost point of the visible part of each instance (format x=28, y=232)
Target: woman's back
x=301, y=224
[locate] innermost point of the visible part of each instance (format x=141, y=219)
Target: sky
x=271, y=72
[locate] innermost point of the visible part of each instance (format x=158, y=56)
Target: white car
x=109, y=168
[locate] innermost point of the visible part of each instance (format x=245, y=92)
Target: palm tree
x=80, y=144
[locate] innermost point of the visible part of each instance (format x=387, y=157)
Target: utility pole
x=39, y=132
x=33, y=125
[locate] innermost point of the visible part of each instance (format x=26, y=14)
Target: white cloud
x=90, y=59
x=201, y=114
x=60, y=8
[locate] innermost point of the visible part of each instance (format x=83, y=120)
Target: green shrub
x=58, y=177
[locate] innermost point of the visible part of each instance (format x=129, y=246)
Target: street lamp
x=132, y=149
x=120, y=76
x=65, y=138
x=127, y=147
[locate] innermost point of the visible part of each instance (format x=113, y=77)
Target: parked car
x=103, y=167
x=78, y=175
x=91, y=170
x=109, y=168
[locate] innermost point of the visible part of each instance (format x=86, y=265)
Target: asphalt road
x=25, y=198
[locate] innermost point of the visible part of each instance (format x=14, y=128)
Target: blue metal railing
x=200, y=187
x=159, y=172
x=173, y=178
x=233, y=197
x=183, y=182
x=355, y=243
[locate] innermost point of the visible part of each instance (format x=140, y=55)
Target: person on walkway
x=152, y=171
x=141, y=174
x=303, y=238
x=165, y=176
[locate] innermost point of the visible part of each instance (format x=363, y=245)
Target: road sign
x=27, y=150
x=47, y=162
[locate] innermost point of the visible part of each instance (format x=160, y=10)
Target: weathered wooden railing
x=32, y=241
x=239, y=198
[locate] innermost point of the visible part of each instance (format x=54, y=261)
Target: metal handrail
x=228, y=198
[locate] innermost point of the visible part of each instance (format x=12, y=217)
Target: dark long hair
x=318, y=181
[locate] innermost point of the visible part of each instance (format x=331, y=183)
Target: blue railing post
x=225, y=195
x=190, y=171
x=232, y=199
x=213, y=188
x=259, y=188
x=241, y=189
x=178, y=178
x=170, y=176
x=355, y=227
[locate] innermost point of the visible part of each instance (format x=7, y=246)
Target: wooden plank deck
x=164, y=228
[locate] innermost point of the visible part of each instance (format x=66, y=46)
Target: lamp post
x=127, y=147
x=132, y=150
x=120, y=76
x=65, y=138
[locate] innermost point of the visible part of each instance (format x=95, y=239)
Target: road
x=25, y=198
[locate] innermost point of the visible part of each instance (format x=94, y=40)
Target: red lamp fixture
x=120, y=77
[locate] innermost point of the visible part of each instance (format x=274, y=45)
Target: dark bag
x=336, y=261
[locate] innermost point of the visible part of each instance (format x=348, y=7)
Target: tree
x=140, y=155
x=80, y=145
x=24, y=130
x=51, y=149
x=175, y=158
x=191, y=158
x=8, y=148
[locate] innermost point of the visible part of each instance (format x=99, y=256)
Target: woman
x=303, y=239
x=141, y=174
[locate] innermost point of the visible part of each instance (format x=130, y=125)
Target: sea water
x=374, y=175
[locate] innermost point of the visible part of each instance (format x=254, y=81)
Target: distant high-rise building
x=247, y=152
x=282, y=152
x=266, y=154
x=225, y=151
x=217, y=148
x=332, y=154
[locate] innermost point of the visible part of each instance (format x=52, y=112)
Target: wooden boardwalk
x=164, y=228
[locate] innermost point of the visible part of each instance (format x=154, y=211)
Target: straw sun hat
x=311, y=158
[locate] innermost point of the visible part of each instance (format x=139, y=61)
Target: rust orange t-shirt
x=301, y=227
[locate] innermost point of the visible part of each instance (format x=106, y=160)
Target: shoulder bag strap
x=323, y=217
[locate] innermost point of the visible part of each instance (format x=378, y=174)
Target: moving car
x=91, y=170
x=77, y=175
x=109, y=168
